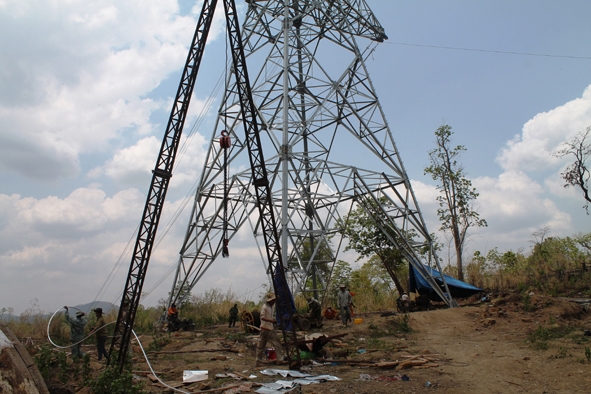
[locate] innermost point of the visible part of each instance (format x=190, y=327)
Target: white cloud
x=72, y=241
x=81, y=81
x=41, y=156
x=542, y=135
x=132, y=165
x=520, y=201
x=514, y=202
x=427, y=199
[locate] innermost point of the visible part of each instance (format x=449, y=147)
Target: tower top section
x=351, y=16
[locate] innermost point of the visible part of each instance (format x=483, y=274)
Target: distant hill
x=86, y=308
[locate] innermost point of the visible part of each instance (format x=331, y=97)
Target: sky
x=86, y=89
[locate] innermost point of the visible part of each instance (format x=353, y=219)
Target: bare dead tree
x=577, y=173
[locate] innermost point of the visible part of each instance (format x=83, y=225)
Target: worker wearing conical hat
x=268, y=333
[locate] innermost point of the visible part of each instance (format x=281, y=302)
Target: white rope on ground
x=152, y=370
x=92, y=333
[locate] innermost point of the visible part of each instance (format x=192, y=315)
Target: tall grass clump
x=211, y=307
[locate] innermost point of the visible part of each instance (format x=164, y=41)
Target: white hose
x=74, y=344
x=151, y=369
x=92, y=333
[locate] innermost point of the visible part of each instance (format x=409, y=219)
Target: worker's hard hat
x=270, y=297
x=98, y=311
x=342, y=286
x=79, y=314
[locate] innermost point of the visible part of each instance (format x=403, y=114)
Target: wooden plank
x=21, y=361
x=387, y=364
x=195, y=351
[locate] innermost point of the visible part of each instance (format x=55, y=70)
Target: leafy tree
x=368, y=239
x=179, y=296
x=558, y=254
x=583, y=240
x=457, y=196
x=372, y=285
x=577, y=173
x=374, y=275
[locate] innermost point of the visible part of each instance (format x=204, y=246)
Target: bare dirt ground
x=493, y=347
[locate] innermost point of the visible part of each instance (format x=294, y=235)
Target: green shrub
x=540, y=337
x=45, y=359
x=110, y=381
x=63, y=368
x=401, y=324
x=547, y=333
x=159, y=341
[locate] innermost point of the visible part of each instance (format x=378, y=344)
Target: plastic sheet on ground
x=194, y=376
x=381, y=378
x=285, y=386
x=4, y=341
x=233, y=376
x=285, y=373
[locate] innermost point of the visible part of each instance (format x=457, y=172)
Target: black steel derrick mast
x=163, y=172
x=260, y=181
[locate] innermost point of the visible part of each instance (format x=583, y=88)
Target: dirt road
x=495, y=347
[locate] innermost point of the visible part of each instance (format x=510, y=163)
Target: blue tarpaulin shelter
x=457, y=288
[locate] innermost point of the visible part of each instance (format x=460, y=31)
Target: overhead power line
x=489, y=51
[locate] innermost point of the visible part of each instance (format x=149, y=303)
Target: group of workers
x=344, y=303
x=268, y=335
x=77, y=327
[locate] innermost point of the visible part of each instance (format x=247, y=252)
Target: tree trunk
x=459, y=263
x=458, y=245
x=394, y=277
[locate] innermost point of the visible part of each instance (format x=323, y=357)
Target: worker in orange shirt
x=329, y=313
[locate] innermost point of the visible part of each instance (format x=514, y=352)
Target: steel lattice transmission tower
x=327, y=145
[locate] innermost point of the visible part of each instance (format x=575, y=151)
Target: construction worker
x=330, y=313
x=233, y=316
x=101, y=334
x=268, y=333
x=344, y=302
x=351, y=306
x=172, y=312
x=172, y=316
x=76, y=332
x=315, y=309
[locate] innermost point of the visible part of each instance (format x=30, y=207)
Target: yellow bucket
x=358, y=320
